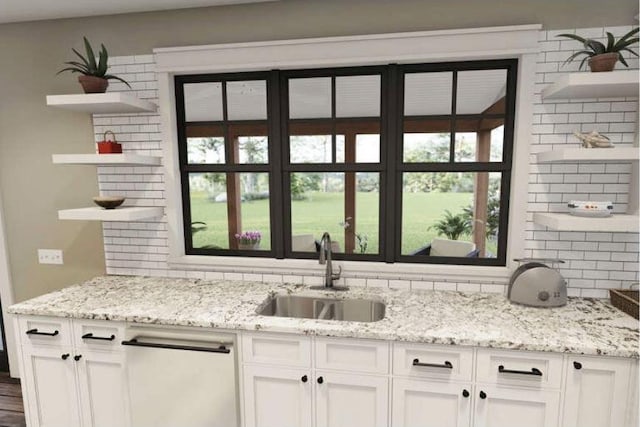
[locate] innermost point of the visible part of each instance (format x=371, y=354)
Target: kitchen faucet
x=325, y=259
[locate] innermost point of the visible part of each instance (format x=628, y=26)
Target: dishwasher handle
x=220, y=349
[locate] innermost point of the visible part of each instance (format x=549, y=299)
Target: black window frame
x=390, y=168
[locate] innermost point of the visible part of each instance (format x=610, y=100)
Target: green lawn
x=324, y=212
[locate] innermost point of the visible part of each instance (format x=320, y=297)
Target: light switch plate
x=50, y=256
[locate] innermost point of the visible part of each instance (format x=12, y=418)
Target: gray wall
x=31, y=53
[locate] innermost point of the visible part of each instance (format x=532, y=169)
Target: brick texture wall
x=595, y=261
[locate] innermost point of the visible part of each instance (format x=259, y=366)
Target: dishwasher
x=181, y=378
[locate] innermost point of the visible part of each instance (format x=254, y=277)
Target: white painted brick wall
x=595, y=262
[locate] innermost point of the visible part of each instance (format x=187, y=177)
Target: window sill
x=303, y=267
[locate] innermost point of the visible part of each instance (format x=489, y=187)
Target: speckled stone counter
x=584, y=326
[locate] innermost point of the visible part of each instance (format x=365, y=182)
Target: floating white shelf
x=102, y=103
x=612, y=84
x=593, y=155
x=565, y=222
x=118, y=214
x=105, y=159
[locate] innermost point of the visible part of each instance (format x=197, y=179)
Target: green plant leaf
x=626, y=49
x=628, y=35
x=610, y=41
x=84, y=60
x=583, y=61
x=597, y=47
x=78, y=65
x=91, y=57
x=112, y=77
x=620, y=46
x=72, y=69
x=622, y=60
x=575, y=55
x=104, y=58
x=574, y=37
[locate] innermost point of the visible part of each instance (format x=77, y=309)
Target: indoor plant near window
x=249, y=240
x=603, y=57
x=94, y=78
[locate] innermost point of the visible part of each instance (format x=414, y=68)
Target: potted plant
x=249, y=240
x=603, y=57
x=94, y=78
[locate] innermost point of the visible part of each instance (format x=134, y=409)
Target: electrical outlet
x=50, y=256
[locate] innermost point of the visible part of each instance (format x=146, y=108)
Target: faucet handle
x=336, y=276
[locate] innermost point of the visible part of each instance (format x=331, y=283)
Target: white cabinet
x=423, y=403
x=102, y=385
x=277, y=397
x=346, y=385
x=497, y=406
x=346, y=400
x=73, y=374
x=596, y=392
x=50, y=383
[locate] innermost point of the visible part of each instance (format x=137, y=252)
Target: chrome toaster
x=537, y=284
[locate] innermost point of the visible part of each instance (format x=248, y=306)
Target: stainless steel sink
x=307, y=307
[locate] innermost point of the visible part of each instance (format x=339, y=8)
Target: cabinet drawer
x=45, y=330
x=276, y=349
x=352, y=355
x=528, y=369
x=98, y=335
x=433, y=361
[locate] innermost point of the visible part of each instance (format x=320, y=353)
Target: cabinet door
x=344, y=400
x=52, y=396
x=419, y=403
x=596, y=392
x=508, y=407
x=277, y=397
x=103, y=389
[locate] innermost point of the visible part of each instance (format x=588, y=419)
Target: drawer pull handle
x=135, y=343
x=577, y=365
x=48, y=334
x=445, y=365
x=90, y=336
x=65, y=356
x=77, y=357
x=304, y=379
x=465, y=393
x=534, y=371
x=483, y=395
x=320, y=380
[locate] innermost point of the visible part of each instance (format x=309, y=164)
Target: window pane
x=479, y=140
x=203, y=102
x=310, y=148
x=450, y=214
x=358, y=96
x=253, y=150
x=310, y=98
x=427, y=94
x=345, y=205
x=368, y=148
x=479, y=90
x=205, y=150
x=223, y=205
x=426, y=147
x=247, y=100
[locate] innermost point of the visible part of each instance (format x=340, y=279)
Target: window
x=399, y=163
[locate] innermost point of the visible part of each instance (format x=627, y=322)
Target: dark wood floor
x=11, y=409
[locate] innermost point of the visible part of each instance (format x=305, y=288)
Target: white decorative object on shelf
x=612, y=84
x=590, y=209
x=102, y=103
x=128, y=213
x=617, y=154
x=106, y=159
x=594, y=139
x=624, y=223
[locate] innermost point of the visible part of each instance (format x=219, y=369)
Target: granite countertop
x=583, y=326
